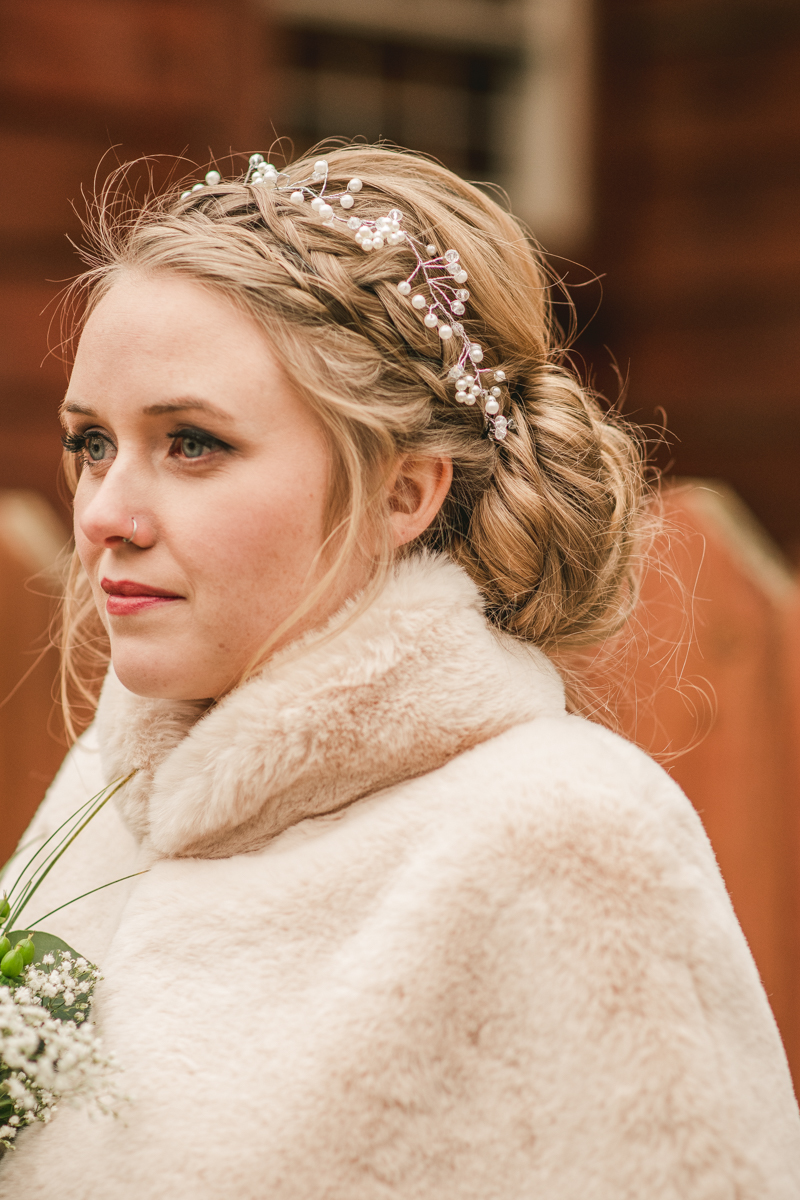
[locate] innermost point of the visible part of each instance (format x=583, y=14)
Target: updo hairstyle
x=545, y=524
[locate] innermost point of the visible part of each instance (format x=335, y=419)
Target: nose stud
x=133, y=534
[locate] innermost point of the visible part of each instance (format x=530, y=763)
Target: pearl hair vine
x=436, y=284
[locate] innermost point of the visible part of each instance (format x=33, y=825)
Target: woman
x=408, y=929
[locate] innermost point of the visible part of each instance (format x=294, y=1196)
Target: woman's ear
x=415, y=491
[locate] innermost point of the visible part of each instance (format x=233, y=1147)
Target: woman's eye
x=97, y=447
x=187, y=443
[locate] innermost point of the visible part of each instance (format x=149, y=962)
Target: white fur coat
x=409, y=932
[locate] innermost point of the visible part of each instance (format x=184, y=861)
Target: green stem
x=121, y=879
x=33, y=886
x=55, y=833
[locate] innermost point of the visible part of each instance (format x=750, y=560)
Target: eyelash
x=75, y=443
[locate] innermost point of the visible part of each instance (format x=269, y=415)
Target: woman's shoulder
x=583, y=802
x=79, y=777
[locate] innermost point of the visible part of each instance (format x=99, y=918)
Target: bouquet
x=49, y=1050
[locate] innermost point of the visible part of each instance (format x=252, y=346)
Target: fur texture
x=477, y=949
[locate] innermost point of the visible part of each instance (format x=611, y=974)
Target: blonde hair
x=545, y=524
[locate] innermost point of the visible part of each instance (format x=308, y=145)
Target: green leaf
x=47, y=943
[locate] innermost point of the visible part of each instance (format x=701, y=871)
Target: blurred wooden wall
x=32, y=743
x=80, y=79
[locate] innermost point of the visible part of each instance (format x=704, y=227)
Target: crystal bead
x=500, y=428
x=354, y=223
x=213, y=178
x=456, y=373
x=463, y=295
x=461, y=277
x=495, y=391
x=453, y=268
x=355, y=185
x=395, y=215
x=451, y=256
x=458, y=327
x=458, y=308
x=492, y=407
x=419, y=301
x=347, y=200
x=297, y=197
x=256, y=160
x=445, y=333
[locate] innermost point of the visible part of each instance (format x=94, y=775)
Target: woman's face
x=188, y=428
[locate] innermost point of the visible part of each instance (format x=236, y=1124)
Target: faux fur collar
x=412, y=681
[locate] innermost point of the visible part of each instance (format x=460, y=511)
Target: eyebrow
x=183, y=404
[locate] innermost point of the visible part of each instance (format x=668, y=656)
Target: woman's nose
x=116, y=516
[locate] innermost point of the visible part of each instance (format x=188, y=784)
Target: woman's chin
x=158, y=678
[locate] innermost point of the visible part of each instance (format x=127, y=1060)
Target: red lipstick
x=126, y=597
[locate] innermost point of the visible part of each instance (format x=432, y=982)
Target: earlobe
x=416, y=491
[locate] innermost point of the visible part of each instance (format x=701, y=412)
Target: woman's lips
x=126, y=597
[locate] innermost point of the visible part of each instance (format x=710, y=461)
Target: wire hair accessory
x=435, y=286
x=133, y=534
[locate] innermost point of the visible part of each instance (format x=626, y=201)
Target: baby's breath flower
x=43, y=1056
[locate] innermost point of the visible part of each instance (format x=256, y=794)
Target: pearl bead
x=475, y=390
x=430, y=249
x=469, y=399
x=495, y=391
x=419, y=302
x=188, y=192
x=492, y=407
x=395, y=239
x=366, y=244
x=198, y=187
x=297, y=197
x=377, y=243
x=461, y=277
x=431, y=320
x=500, y=376
x=355, y=185
x=317, y=203
x=213, y=178
x=445, y=333
x=469, y=380
x=347, y=201
x=365, y=231
x=476, y=353
x=404, y=288
x=256, y=160
x=321, y=166
x=326, y=212
x=383, y=224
